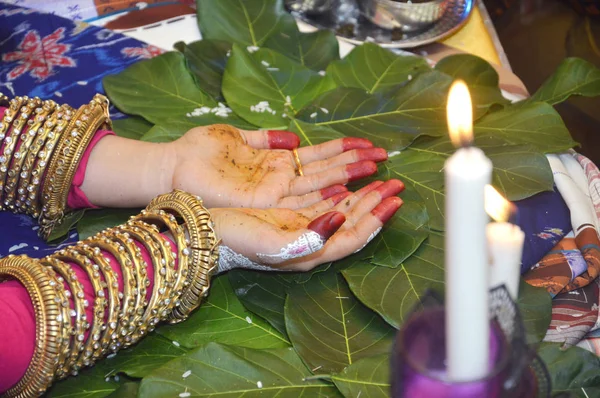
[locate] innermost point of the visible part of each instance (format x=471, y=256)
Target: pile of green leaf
x=328, y=332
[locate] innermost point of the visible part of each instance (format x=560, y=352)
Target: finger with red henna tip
x=324, y=205
x=326, y=150
x=271, y=139
x=387, y=208
x=339, y=175
x=327, y=224
x=355, y=155
x=300, y=202
x=370, y=201
x=390, y=188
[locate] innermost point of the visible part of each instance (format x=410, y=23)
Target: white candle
x=466, y=174
x=505, y=243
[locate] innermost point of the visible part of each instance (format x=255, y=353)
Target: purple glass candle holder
x=419, y=356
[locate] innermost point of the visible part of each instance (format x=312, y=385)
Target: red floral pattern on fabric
x=148, y=51
x=38, y=56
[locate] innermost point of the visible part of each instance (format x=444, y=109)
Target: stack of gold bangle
x=41, y=146
x=176, y=232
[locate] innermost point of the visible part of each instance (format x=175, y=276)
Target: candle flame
x=459, y=112
x=497, y=206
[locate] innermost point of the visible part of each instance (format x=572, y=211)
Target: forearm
x=154, y=268
x=127, y=173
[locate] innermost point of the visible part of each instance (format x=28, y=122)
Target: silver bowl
x=406, y=16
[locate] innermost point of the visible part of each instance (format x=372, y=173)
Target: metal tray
x=345, y=19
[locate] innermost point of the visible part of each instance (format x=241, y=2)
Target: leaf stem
x=317, y=377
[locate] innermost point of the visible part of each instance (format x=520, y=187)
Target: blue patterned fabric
x=51, y=57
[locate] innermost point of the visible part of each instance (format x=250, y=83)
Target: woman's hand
x=228, y=167
x=300, y=240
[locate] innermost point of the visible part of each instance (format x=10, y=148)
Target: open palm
x=228, y=167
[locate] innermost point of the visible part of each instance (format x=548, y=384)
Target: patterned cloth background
x=54, y=58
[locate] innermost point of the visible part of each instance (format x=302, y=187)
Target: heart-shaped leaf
x=262, y=293
x=519, y=172
x=245, y=22
x=132, y=127
x=535, y=304
x=219, y=370
x=206, y=60
x=314, y=50
x=95, y=382
x=572, y=370
x=372, y=68
x=170, y=130
x=95, y=221
x=480, y=76
x=574, y=76
x=394, y=292
x=535, y=124
x=329, y=328
x=150, y=353
x=391, y=122
x=367, y=377
x=157, y=89
x=267, y=77
x=223, y=318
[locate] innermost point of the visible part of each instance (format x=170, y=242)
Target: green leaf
x=536, y=124
x=266, y=75
x=170, y=130
x=262, y=293
x=219, y=370
x=535, y=305
x=132, y=127
x=206, y=60
x=61, y=231
x=480, y=76
x=391, y=122
x=572, y=370
x=394, y=292
x=222, y=318
x=311, y=134
x=372, y=68
x=127, y=390
x=574, y=76
x=245, y=22
x=329, y=328
x=150, y=353
x=519, y=171
x=368, y=377
x=95, y=221
x=398, y=239
x=314, y=50
x=89, y=383
x=157, y=89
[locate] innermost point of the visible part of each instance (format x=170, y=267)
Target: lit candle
x=505, y=242
x=467, y=172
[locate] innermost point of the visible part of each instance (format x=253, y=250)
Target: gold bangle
x=89, y=354
x=6, y=136
x=12, y=145
x=53, y=129
x=80, y=324
x=18, y=168
x=162, y=287
x=140, y=268
x=130, y=295
x=111, y=284
x=43, y=289
x=65, y=160
x=201, y=247
x=39, y=137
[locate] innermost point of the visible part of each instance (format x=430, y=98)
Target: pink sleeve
x=77, y=199
x=17, y=342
